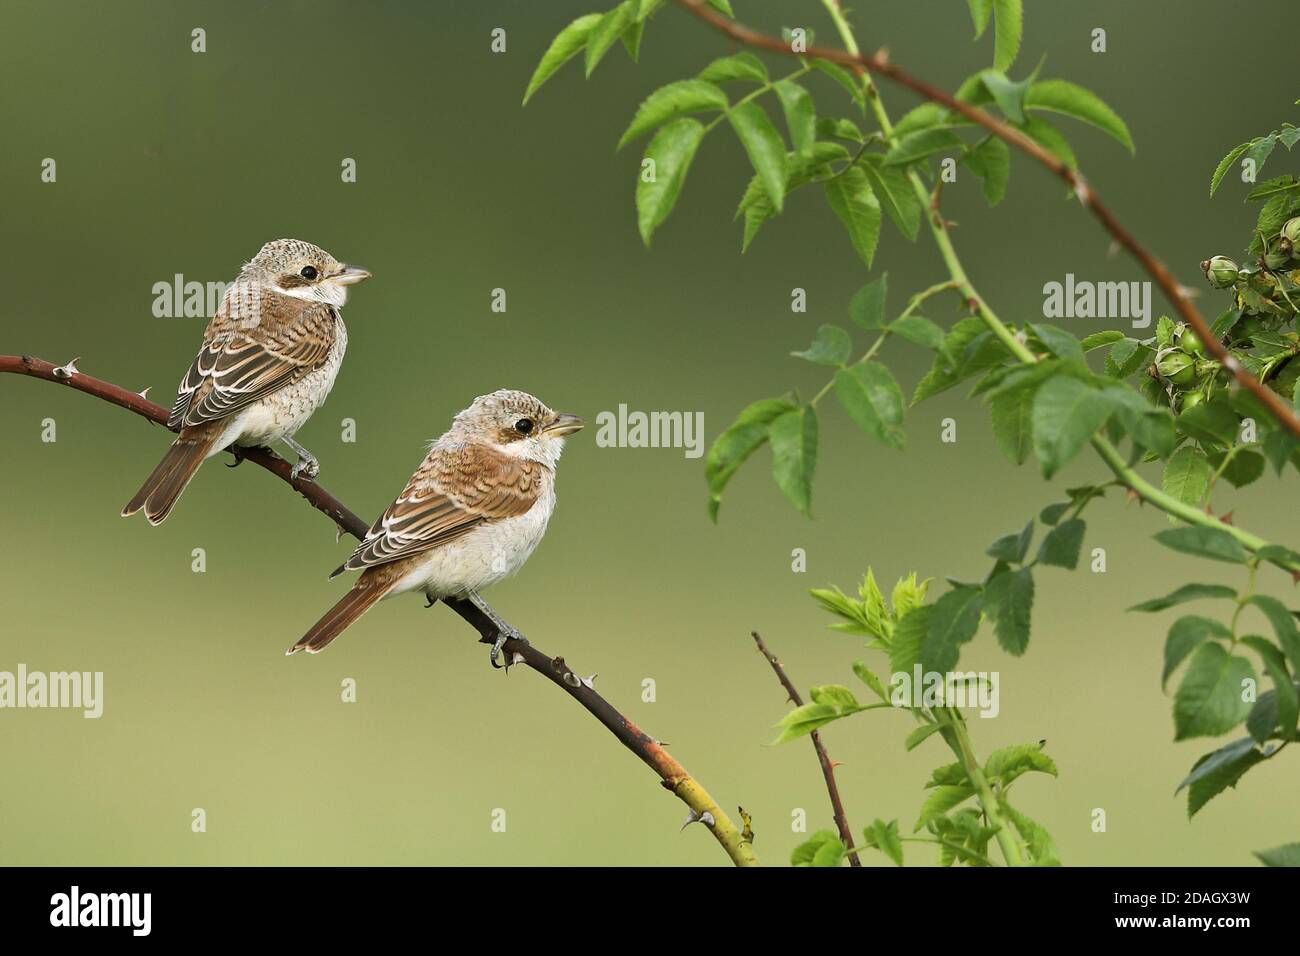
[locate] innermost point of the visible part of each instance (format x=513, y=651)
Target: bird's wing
x=455, y=489
x=238, y=366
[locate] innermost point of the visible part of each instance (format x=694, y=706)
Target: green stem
x=770, y=84
x=961, y=746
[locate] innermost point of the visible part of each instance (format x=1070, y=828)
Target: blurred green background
x=176, y=162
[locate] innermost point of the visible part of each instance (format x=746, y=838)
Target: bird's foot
x=504, y=634
x=307, y=466
x=430, y=600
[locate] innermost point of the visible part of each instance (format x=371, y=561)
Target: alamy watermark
x=69, y=690
x=1083, y=299
x=977, y=690
x=633, y=429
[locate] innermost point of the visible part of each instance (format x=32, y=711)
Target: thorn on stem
x=66, y=372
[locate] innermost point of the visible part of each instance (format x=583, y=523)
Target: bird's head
x=304, y=271
x=517, y=424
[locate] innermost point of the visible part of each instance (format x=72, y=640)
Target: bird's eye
x=524, y=426
x=308, y=272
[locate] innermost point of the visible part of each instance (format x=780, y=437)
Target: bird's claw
x=504, y=635
x=308, y=467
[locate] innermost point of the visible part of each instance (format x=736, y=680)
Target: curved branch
x=828, y=765
x=880, y=64
x=673, y=775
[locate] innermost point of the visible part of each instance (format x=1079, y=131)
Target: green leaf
x=873, y=400
x=1013, y=423
x=1098, y=339
x=867, y=307
x=843, y=77
x=1209, y=699
x=831, y=346
x=1062, y=545
x=606, y=32
x=1062, y=96
x=1187, y=476
x=1066, y=415
x=894, y=190
x=764, y=148
x=1225, y=163
x=737, y=443
x=723, y=7
x=1049, y=137
x=1217, y=771
x=1007, y=93
x=1126, y=357
x=1187, y=634
x=851, y=199
x=954, y=621
x=919, y=330
x=672, y=150
x=1242, y=468
x=1012, y=547
x=919, y=145
x=980, y=11
x=909, y=634
x=1188, y=592
x=991, y=162
x=1009, y=598
x=920, y=735
x=647, y=8
x=868, y=677
x=1214, y=422
x=742, y=66
x=940, y=801
x=1288, y=854
x=1041, y=848
x=1011, y=762
x=800, y=114
x=794, y=455
x=1285, y=703
x=1284, y=625
x=837, y=696
x=1058, y=341
x=671, y=101
x=1009, y=24
x=884, y=837
x=1213, y=543
x=566, y=45
x=823, y=848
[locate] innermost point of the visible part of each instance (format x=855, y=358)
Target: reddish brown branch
x=673, y=775
x=879, y=64
x=828, y=765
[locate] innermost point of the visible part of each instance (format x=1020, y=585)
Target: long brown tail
x=356, y=602
x=160, y=491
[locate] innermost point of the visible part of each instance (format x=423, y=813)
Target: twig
x=673, y=775
x=828, y=765
x=880, y=64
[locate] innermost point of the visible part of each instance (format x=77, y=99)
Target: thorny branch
x=675, y=778
x=880, y=64
x=828, y=765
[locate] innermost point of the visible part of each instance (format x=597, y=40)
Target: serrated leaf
x=823, y=848
x=1212, y=543
x=915, y=146
x=1008, y=763
x=867, y=307
x=1209, y=699
x=1187, y=475
x=991, y=162
x=1217, y=771
x=1061, y=546
x=905, y=651
x=672, y=150
x=980, y=11
x=940, y=801
x=920, y=735
x=1224, y=164
x=1009, y=24
x=884, y=837
x=741, y=66
x=851, y=199
x=1066, y=415
x=1188, y=592
x=954, y=621
x=831, y=346
x=1187, y=634
x=1284, y=625
x=671, y=101
x=1288, y=854
x=567, y=44
x=1050, y=138
x=871, y=396
x=1013, y=423
x=730, y=449
x=1009, y=600
x=763, y=146
x=1070, y=99
x=800, y=114
x=793, y=436
x=606, y=32
x=843, y=77
x=895, y=193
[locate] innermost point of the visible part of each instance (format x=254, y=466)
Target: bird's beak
x=350, y=275
x=564, y=425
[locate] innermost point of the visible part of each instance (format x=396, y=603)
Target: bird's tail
x=160, y=491
x=356, y=602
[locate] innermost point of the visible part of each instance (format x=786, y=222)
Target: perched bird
x=269, y=358
x=470, y=515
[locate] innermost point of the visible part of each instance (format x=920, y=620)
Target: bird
x=473, y=512
x=269, y=357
